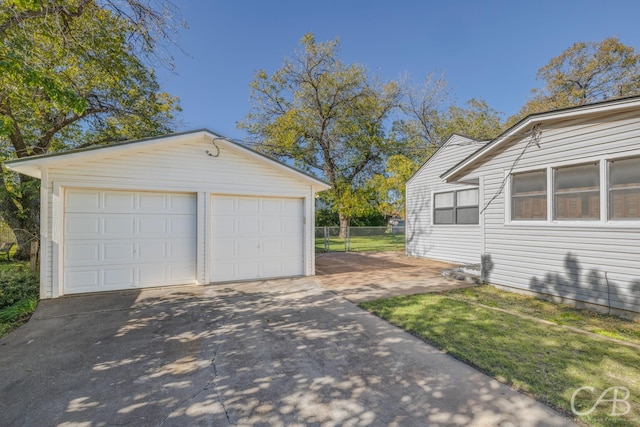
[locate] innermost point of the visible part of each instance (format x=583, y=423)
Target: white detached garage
x=191, y=208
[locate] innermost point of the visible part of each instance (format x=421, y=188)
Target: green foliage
x=391, y=186
x=328, y=118
x=73, y=73
x=17, y=282
x=586, y=72
x=477, y=120
x=19, y=310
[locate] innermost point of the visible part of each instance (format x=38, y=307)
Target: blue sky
x=489, y=50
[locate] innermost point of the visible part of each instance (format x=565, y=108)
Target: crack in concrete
x=215, y=387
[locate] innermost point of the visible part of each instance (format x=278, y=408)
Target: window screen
x=624, y=188
x=529, y=196
x=577, y=192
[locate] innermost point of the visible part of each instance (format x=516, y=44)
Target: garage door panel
x=181, y=204
x=118, y=252
x=272, y=247
x=117, y=226
x=248, y=268
x=291, y=207
x=80, y=280
x=272, y=226
x=128, y=239
x=272, y=206
x=82, y=201
x=272, y=267
x=118, y=277
x=246, y=226
x=118, y=201
x=81, y=253
x=181, y=226
x=247, y=248
x=247, y=206
x=78, y=226
x=256, y=237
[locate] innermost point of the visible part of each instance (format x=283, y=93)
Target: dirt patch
x=366, y=276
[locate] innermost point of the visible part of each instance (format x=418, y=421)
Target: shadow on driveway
x=280, y=353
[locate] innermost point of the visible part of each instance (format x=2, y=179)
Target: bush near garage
x=17, y=282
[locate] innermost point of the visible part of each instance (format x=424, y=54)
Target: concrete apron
x=280, y=353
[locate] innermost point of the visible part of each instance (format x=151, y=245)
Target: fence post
x=326, y=238
x=34, y=262
x=347, y=240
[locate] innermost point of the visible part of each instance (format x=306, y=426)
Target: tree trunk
x=344, y=225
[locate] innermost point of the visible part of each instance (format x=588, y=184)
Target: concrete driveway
x=277, y=353
x=364, y=276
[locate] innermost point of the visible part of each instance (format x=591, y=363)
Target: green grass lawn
x=385, y=242
x=544, y=360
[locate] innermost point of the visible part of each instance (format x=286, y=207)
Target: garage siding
x=182, y=166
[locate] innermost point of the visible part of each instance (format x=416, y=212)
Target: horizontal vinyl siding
x=183, y=167
x=452, y=243
x=595, y=262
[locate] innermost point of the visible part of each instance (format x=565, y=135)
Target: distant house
x=557, y=211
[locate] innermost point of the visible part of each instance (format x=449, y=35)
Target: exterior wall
x=178, y=166
x=452, y=243
x=591, y=262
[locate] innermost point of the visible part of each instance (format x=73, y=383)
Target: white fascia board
x=437, y=152
x=552, y=116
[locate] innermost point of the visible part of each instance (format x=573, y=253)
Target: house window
x=576, y=192
x=529, y=196
x=624, y=188
x=456, y=207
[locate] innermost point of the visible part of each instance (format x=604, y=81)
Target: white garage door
x=123, y=239
x=256, y=237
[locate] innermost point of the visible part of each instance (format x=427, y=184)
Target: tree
x=73, y=71
x=477, y=120
x=427, y=125
x=328, y=118
x=586, y=72
x=390, y=186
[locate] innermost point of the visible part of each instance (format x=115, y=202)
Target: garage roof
x=33, y=165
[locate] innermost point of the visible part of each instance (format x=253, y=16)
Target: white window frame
x=454, y=207
x=605, y=214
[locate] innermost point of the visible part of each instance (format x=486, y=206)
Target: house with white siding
x=559, y=206
x=189, y=208
x=442, y=220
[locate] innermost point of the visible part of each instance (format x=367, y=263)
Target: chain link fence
x=355, y=239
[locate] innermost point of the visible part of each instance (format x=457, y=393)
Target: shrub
x=17, y=284
x=21, y=309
